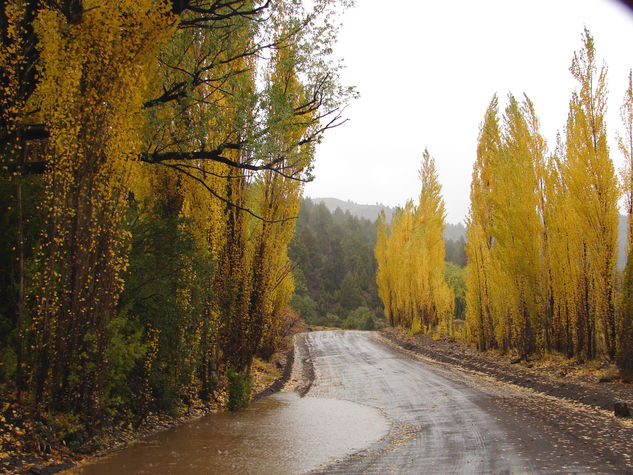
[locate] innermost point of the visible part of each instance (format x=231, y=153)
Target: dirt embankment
x=27, y=444
x=556, y=377
x=24, y=450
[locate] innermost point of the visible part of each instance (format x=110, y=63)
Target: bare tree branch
x=221, y=198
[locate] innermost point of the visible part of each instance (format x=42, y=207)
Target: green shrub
x=126, y=351
x=8, y=363
x=69, y=429
x=362, y=318
x=306, y=307
x=332, y=320
x=455, y=278
x=240, y=386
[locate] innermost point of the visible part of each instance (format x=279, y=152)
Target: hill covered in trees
x=369, y=212
x=335, y=269
x=454, y=234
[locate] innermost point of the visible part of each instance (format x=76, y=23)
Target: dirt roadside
x=462, y=420
x=23, y=452
x=563, y=379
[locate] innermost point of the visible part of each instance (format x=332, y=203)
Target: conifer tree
x=625, y=335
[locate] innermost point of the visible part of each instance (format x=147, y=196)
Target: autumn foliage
x=410, y=256
x=542, y=230
x=542, y=234
x=153, y=156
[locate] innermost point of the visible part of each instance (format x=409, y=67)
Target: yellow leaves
x=93, y=81
x=542, y=234
x=590, y=184
x=410, y=259
x=504, y=274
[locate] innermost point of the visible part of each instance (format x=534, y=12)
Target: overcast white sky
x=426, y=72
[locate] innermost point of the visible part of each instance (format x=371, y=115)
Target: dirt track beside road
x=446, y=418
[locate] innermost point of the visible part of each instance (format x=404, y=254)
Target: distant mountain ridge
x=371, y=212
x=454, y=232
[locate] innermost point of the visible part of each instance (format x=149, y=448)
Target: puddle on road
x=278, y=434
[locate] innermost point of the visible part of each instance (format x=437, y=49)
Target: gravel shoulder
x=455, y=411
x=563, y=379
x=563, y=422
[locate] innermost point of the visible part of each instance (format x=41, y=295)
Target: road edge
x=524, y=378
x=281, y=381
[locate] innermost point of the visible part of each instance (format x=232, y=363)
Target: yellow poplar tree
x=593, y=187
x=85, y=64
x=410, y=258
x=516, y=270
x=625, y=144
x=398, y=256
x=479, y=235
x=384, y=279
x=563, y=246
x=434, y=300
x=278, y=194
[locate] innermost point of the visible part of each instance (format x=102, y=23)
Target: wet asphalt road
x=444, y=421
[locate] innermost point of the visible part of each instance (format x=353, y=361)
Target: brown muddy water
x=279, y=434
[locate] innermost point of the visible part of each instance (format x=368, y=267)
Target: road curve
x=442, y=421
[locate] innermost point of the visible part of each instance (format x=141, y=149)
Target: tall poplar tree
x=94, y=137
x=383, y=277
x=625, y=144
x=435, y=299
x=410, y=258
x=564, y=246
x=479, y=233
x=590, y=177
x=516, y=271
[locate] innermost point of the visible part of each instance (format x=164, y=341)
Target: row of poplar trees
x=153, y=154
x=542, y=229
x=410, y=255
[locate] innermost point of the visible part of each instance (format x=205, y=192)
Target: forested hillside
x=335, y=269
x=369, y=212
x=454, y=234
x=372, y=212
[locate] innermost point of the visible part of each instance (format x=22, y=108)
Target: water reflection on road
x=279, y=434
